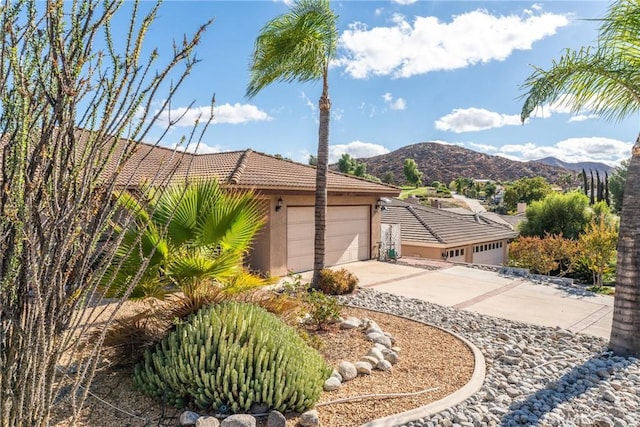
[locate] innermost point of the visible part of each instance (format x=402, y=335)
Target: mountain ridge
x=578, y=166
x=444, y=163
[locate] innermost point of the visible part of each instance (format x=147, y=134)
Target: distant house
x=286, y=242
x=432, y=233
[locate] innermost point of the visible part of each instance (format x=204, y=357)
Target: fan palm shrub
x=194, y=237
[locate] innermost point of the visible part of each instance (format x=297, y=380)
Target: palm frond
x=295, y=46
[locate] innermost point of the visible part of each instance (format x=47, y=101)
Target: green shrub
x=322, y=309
x=229, y=356
x=338, y=282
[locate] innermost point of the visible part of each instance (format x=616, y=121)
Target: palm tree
x=186, y=237
x=298, y=46
x=606, y=79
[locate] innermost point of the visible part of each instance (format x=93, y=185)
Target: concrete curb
x=459, y=396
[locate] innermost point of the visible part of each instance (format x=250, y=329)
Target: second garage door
x=347, y=236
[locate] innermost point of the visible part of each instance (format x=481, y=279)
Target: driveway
x=488, y=293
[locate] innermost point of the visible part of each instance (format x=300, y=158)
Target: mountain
x=444, y=163
x=578, y=167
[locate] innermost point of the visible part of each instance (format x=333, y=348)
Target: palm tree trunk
x=321, y=183
x=625, y=331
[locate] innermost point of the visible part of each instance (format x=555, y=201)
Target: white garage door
x=347, y=236
x=488, y=254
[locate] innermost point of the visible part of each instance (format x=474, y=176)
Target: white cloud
x=485, y=148
x=378, y=11
x=357, y=149
x=583, y=117
x=404, y=49
x=394, y=104
x=572, y=150
x=307, y=101
x=201, y=148
x=225, y=113
x=475, y=119
x=564, y=106
x=404, y=2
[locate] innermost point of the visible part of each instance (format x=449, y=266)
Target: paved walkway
x=489, y=293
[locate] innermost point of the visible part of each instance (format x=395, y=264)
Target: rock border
x=469, y=389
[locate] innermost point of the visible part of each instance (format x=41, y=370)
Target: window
x=461, y=252
x=457, y=252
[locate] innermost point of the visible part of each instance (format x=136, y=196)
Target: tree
x=526, y=190
x=606, y=80
x=490, y=189
x=559, y=214
x=347, y=164
x=313, y=161
x=597, y=248
x=299, y=46
x=616, y=183
x=71, y=116
x=411, y=173
x=388, y=177
x=195, y=236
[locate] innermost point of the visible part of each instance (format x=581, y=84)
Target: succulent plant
x=229, y=356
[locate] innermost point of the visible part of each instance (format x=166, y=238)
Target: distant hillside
x=444, y=163
x=587, y=166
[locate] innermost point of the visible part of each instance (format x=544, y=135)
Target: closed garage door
x=488, y=254
x=347, y=236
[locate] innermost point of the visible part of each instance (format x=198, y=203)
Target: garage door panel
x=347, y=236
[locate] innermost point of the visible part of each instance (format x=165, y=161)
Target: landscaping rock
x=207, y=421
x=392, y=357
x=350, y=323
x=239, y=420
x=347, y=370
x=363, y=368
x=331, y=384
x=376, y=353
x=370, y=360
x=188, y=418
x=276, y=419
x=258, y=409
x=337, y=375
x=384, y=365
x=380, y=339
x=309, y=418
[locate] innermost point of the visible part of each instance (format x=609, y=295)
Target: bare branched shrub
x=71, y=119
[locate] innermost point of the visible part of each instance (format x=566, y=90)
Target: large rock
x=370, y=360
x=239, y=420
x=207, y=421
x=351, y=323
x=347, y=370
x=384, y=365
x=309, y=419
x=391, y=356
x=188, y=418
x=276, y=419
x=376, y=353
x=363, y=368
x=331, y=384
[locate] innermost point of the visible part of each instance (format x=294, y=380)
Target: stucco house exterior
x=287, y=189
x=428, y=232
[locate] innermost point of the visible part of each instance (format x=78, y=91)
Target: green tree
x=557, y=214
x=490, y=189
x=72, y=114
x=194, y=235
x=616, y=183
x=346, y=164
x=313, y=161
x=597, y=249
x=606, y=80
x=388, y=177
x=299, y=46
x=411, y=173
x=526, y=190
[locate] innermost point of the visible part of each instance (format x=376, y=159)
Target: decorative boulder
x=331, y=384
x=309, y=418
x=207, y=422
x=188, y=418
x=347, y=370
x=376, y=353
x=239, y=420
x=276, y=419
x=363, y=368
x=384, y=365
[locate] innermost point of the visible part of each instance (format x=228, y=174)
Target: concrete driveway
x=489, y=293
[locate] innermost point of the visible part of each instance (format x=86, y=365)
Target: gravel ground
x=536, y=376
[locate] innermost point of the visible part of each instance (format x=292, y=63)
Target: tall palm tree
x=606, y=79
x=186, y=237
x=298, y=46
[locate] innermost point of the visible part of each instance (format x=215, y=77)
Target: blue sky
x=407, y=72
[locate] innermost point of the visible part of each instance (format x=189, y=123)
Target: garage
x=347, y=236
x=488, y=253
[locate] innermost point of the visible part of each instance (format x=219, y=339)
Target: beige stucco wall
x=269, y=253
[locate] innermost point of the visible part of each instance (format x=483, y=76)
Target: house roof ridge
x=439, y=238
x=240, y=167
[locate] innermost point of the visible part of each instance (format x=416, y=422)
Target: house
x=286, y=242
x=428, y=232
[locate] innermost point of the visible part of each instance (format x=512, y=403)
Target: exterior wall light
x=279, y=204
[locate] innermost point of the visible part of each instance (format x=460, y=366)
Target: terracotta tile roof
x=241, y=169
x=438, y=227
